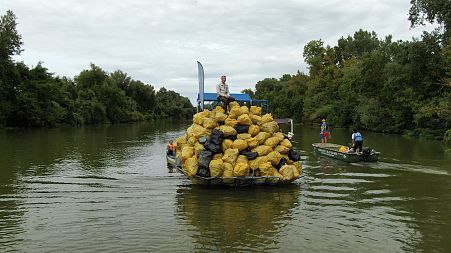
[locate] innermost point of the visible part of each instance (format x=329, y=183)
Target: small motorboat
x=337, y=151
x=171, y=159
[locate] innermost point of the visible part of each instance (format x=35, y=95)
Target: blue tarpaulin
x=214, y=97
x=211, y=99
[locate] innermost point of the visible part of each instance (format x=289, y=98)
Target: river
x=108, y=189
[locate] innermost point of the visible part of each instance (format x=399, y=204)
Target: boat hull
x=171, y=160
x=330, y=150
x=236, y=181
x=228, y=181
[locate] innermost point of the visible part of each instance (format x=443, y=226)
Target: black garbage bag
x=205, y=159
x=217, y=136
x=249, y=154
x=241, y=129
x=294, y=156
x=282, y=162
x=203, y=172
x=213, y=147
x=232, y=137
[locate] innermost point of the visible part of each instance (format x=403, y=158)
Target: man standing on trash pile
x=222, y=90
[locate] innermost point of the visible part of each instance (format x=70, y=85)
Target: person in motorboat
x=222, y=90
x=170, y=150
x=324, y=132
x=357, y=140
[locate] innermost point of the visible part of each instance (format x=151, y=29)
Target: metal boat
x=333, y=150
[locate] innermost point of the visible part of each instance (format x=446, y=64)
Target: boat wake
x=405, y=167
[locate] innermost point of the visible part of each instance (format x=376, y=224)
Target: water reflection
x=230, y=220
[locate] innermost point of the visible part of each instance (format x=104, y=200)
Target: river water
x=108, y=189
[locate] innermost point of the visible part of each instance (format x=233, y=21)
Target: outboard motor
x=366, y=153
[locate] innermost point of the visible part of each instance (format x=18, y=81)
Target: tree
x=10, y=44
x=250, y=92
x=431, y=11
x=10, y=39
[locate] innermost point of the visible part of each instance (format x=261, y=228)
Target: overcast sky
x=159, y=41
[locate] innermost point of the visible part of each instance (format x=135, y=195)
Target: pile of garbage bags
x=240, y=143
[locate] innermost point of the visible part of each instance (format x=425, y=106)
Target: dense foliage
x=369, y=83
x=374, y=84
x=433, y=11
x=33, y=97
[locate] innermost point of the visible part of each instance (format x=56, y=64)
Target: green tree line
x=34, y=97
x=371, y=83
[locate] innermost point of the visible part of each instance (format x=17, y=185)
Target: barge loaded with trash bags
x=238, y=148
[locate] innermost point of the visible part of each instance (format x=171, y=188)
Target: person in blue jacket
x=357, y=140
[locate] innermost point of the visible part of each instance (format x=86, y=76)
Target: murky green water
x=107, y=189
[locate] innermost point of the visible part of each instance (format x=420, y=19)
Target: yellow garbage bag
x=285, y=156
x=216, y=167
x=209, y=123
x=276, y=173
x=256, y=119
x=241, y=170
x=230, y=122
x=279, y=136
x=240, y=144
x=218, y=109
x=192, y=140
x=274, y=157
x=242, y=159
x=266, y=169
x=256, y=110
x=230, y=155
x=198, y=148
x=181, y=140
x=234, y=104
x=243, y=136
x=267, y=118
x=197, y=131
x=235, y=112
x=252, y=142
x=343, y=149
x=262, y=136
x=270, y=127
x=262, y=150
x=187, y=152
x=198, y=117
x=298, y=167
x=244, y=119
x=244, y=109
x=228, y=170
x=289, y=172
x=227, y=130
x=286, y=143
x=220, y=116
x=254, y=130
x=282, y=149
x=272, y=142
x=226, y=144
x=218, y=156
x=190, y=166
x=254, y=164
